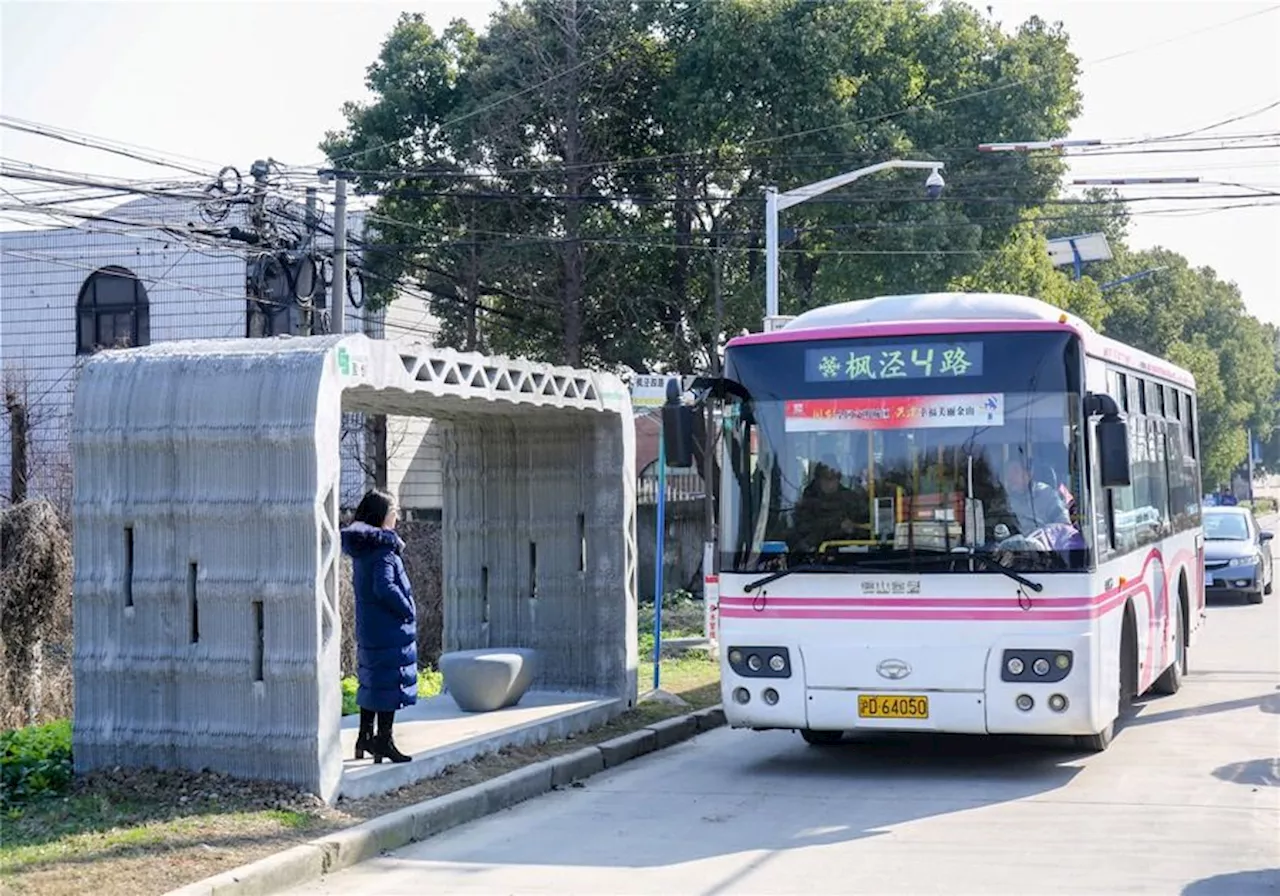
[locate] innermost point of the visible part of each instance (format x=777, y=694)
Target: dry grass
x=131, y=833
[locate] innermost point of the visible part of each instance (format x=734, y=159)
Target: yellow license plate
x=893, y=706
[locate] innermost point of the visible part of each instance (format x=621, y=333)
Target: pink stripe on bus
x=901, y=328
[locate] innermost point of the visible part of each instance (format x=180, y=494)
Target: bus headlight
x=760, y=662
x=1040, y=666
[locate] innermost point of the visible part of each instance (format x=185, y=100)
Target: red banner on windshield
x=927, y=411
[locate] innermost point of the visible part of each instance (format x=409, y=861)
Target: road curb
x=342, y=849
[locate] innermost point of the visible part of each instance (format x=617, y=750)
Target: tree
x=600, y=164
x=1022, y=266
x=1199, y=321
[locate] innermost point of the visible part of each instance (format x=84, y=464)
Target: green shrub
x=430, y=683
x=35, y=761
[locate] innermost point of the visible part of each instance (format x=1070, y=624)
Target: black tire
x=1271, y=583
x=1170, y=680
x=1099, y=741
x=1096, y=743
x=821, y=738
x=1254, y=598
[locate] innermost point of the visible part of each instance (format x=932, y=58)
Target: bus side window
x=1103, y=509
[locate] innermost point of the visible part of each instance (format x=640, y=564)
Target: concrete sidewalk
x=437, y=734
x=342, y=849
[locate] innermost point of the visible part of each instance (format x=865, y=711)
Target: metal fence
x=681, y=486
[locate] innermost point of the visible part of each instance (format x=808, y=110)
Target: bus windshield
x=906, y=453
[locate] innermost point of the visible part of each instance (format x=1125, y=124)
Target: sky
x=229, y=82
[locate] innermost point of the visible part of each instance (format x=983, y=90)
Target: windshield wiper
x=814, y=567
x=988, y=563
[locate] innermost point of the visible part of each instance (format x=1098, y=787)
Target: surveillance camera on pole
x=775, y=202
x=933, y=184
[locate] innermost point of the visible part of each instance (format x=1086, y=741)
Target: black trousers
x=385, y=719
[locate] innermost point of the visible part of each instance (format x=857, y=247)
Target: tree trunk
x=17, y=446
x=574, y=263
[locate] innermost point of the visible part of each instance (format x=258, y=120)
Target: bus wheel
x=821, y=738
x=1096, y=743
x=1170, y=681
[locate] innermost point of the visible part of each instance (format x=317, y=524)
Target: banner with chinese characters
x=903, y=361
x=928, y=411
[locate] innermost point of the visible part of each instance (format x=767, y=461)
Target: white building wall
x=413, y=446
x=193, y=292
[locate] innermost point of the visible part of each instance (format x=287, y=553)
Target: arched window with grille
x=112, y=311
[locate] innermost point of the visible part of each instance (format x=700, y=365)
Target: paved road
x=1186, y=801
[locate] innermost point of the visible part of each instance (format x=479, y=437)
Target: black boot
x=364, y=742
x=383, y=746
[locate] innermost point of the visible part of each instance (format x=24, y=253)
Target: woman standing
x=386, y=624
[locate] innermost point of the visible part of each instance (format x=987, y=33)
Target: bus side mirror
x=677, y=428
x=1113, y=452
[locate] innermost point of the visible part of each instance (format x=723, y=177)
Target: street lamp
x=775, y=202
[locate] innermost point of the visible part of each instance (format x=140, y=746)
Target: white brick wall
x=413, y=451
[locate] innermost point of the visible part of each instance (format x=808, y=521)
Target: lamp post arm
x=775, y=202
x=800, y=194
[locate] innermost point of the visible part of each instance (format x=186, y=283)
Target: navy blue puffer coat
x=386, y=623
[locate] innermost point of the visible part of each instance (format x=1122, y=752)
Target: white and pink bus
x=956, y=513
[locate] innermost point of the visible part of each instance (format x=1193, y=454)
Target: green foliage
x=1264, y=506
x=1022, y=266
x=430, y=683
x=682, y=617
x=1197, y=320
x=34, y=762
x=580, y=181
x=618, y=218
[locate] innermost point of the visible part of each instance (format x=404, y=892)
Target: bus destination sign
x=906, y=361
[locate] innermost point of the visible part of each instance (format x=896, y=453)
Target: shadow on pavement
x=1255, y=772
x=1265, y=702
x=769, y=793
x=1239, y=883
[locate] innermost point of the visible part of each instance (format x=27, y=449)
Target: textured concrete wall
x=215, y=648
x=207, y=621
x=536, y=550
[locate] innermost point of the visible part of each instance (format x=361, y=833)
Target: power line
x=46, y=131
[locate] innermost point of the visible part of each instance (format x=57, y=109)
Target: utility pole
x=1249, y=437
x=311, y=312
x=337, y=310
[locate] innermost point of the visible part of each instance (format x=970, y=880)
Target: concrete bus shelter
x=207, y=629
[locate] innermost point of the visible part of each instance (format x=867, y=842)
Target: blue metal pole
x=658, y=559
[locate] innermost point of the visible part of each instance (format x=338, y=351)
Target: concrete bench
x=485, y=680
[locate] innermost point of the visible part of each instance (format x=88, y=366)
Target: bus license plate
x=893, y=706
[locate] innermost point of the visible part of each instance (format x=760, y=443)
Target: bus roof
x=940, y=311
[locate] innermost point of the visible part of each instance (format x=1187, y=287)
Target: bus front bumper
x=986, y=699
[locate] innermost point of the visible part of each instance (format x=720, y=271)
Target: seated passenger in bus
x=829, y=510
x=1031, y=504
